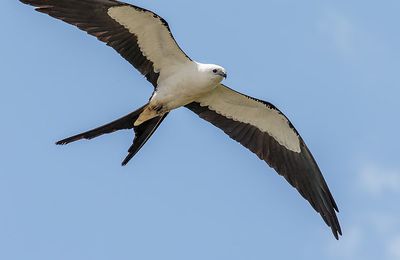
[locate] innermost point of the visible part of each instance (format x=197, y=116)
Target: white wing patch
x=154, y=39
x=240, y=108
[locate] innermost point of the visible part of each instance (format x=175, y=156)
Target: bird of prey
x=145, y=40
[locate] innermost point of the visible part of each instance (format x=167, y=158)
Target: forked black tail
x=143, y=132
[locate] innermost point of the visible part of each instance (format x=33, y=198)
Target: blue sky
x=193, y=193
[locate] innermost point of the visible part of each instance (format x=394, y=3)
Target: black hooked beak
x=223, y=74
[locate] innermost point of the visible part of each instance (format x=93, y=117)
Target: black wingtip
x=127, y=159
x=337, y=233
x=336, y=229
x=67, y=140
x=62, y=142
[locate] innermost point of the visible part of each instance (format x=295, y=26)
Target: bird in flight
x=145, y=40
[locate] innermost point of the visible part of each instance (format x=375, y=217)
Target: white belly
x=186, y=84
x=182, y=88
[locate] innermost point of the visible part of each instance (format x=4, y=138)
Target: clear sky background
x=192, y=193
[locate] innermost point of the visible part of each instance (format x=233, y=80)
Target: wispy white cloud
x=339, y=30
x=385, y=224
x=383, y=227
x=377, y=224
x=393, y=248
x=379, y=180
x=348, y=247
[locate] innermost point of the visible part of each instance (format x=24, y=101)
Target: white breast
x=187, y=84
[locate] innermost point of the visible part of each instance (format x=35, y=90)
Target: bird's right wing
x=140, y=36
x=265, y=131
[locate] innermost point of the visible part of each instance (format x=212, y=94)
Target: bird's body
x=145, y=40
x=187, y=83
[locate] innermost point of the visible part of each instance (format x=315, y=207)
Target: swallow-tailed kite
x=145, y=40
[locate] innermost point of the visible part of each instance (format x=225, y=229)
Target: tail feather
x=143, y=132
x=125, y=122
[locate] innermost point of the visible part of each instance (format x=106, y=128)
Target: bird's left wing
x=140, y=36
x=264, y=130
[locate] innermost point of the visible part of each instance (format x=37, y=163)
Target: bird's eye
x=215, y=70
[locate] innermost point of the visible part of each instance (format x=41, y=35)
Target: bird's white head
x=214, y=72
x=218, y=72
